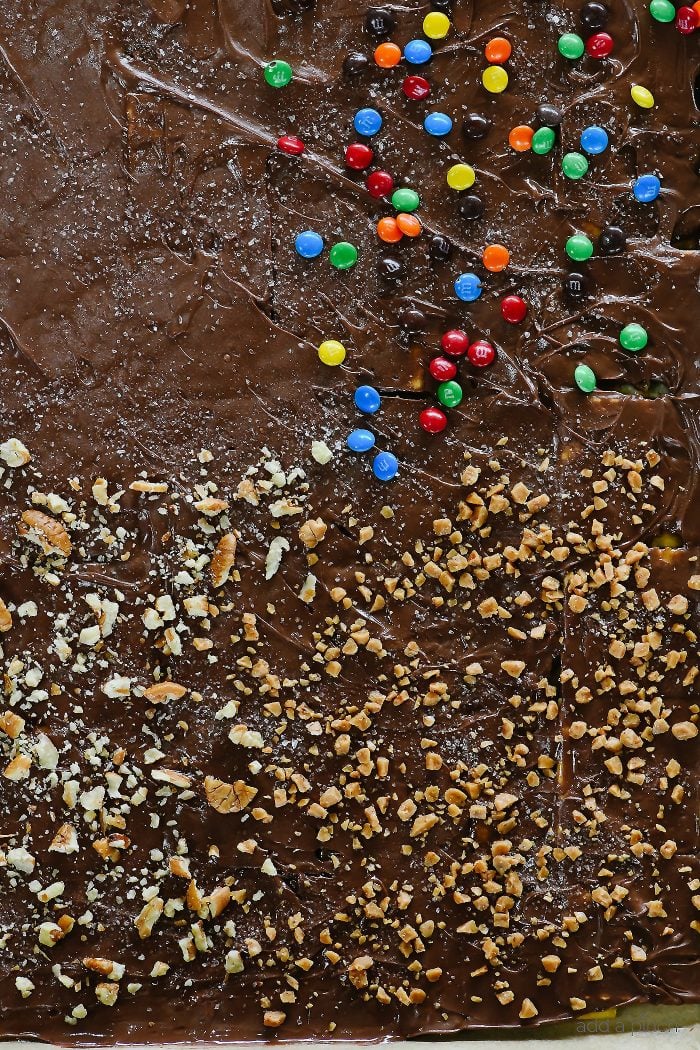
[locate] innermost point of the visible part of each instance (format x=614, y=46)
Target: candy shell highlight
x=385, y=466
x=495, y=79
x=585, y=379
x=436, y=25
x=642, y=96
x=468, y=287
x=332, y=353
x=461, y=177
x=495, y=257
x=498, y=50
x=387, y=55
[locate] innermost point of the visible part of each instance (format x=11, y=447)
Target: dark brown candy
x=470, y=206
x=391, y=267
x=440, y=248
x=380, y=21
x=577, y=285
x=355, y=63
x=548, y=115
x=612, y=240
x=412, y=318
x=475, y=126
x=594, y=16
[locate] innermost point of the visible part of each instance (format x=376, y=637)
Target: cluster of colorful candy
x=686, y=19
x=461, y=176
x=385, y=465
x=598, y=44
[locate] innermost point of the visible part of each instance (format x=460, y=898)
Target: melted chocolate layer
x=287, y=751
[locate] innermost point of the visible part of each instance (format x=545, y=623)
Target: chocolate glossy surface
x=288, y=752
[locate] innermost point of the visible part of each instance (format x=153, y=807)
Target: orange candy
x=498, y=50
x=520, y=138
x=387, y=55
x=388, y=230
x=495, y=257
x=409, y=224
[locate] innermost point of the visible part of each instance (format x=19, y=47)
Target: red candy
x=513, y=309
x=416, y=88
x=380, y=183
x=599, y=45
x=687, y=20
x=442, y=369
x=291, y=145
x=481, y=354
x=358, y=156
x=455, y=342
x=433, y=420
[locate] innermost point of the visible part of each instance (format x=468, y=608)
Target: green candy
x=543, y=140
x=662, y=10
x=278, y=73
x=579, y=247
x=405, y=200
x=449, y=394
x=574, y=165
x=634, y=338
x=584, y=378
x=343, y=255
x=570, y=45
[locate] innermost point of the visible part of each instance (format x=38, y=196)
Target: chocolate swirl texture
x=287, y=752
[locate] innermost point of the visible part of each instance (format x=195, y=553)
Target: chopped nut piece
x=11, y=724
x=46, y=532
x=18, y=768
x=684, y=730
x=228, y=798
x=107, y=992
x=308, y=590
x=148, y=917
x=274, y=1018
x=357, y=970
x=14, y=453
x=312, y=532
x=210, y=506
x=223, y=560
x=161, y=692
x=528, y=1009
x=172, y=776
x=65, y=840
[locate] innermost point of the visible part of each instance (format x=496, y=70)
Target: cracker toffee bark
x=287, y=751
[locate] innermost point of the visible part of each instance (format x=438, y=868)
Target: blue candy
x=438, y=124
x=594, y=140
x=361, y=440
x=385, y=466
x=417, y=52
x=468, y=287
x=367, y=399
x=368, y=122
x=308, y=244
x=646, y=188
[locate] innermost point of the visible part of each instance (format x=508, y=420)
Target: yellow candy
x=436, y=26
x=495, y=79
x=461, y=177
x=331, y=352
x=642, y=96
